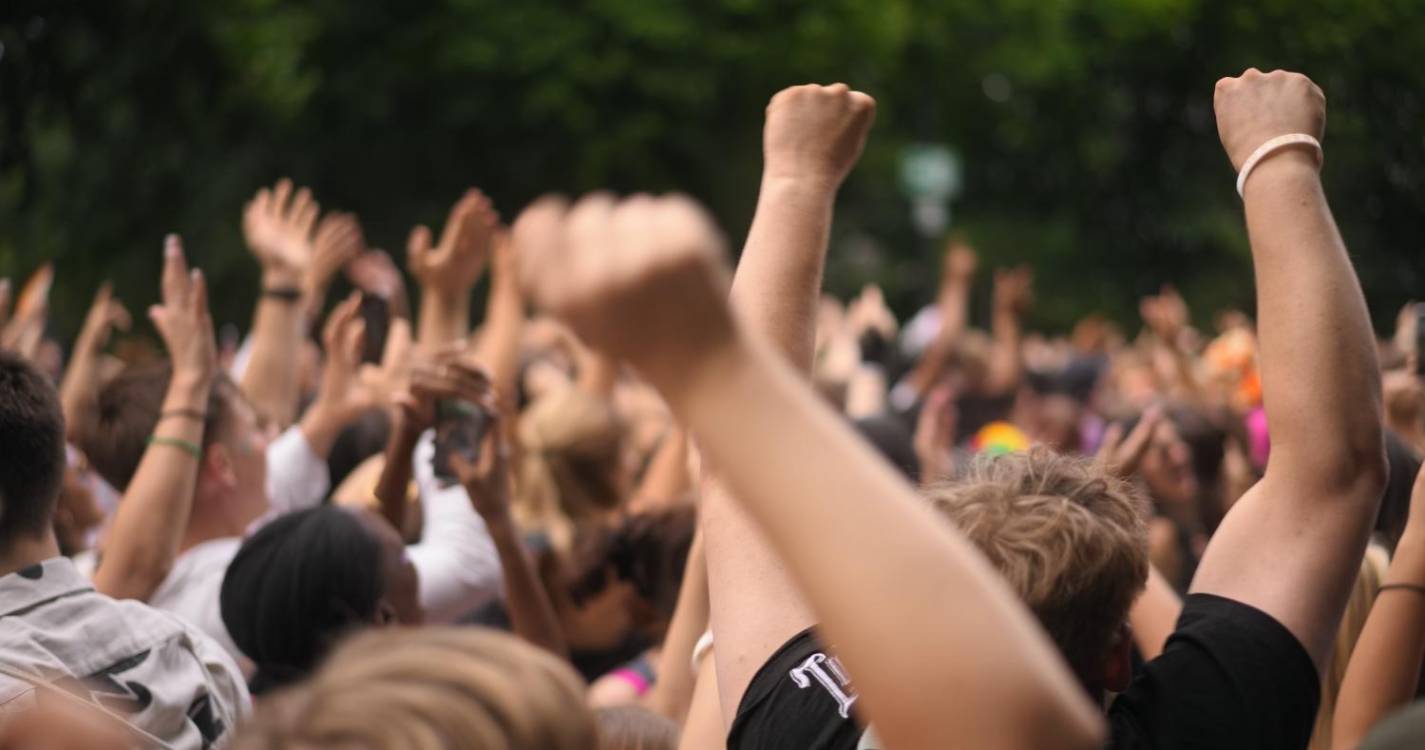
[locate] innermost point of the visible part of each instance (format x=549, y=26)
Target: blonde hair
x=570, y=466
x=1363, y=597
x=1068, y=538
x=430, y=688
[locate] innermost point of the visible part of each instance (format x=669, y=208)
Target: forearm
x=953, y=306
x=152, y=519
x=444, y=318
x=1154, y=615
x=322, y=424
x=531, y=612
x=779, y=275
x=703, y=728
x=79, y=390
x=809, y=483
x=673, y=692
x=499, y=347
x=1384, y=671
x=667, y=479
x=396, y=474
x=1320, y=376
x=1006, y=364
x=271, y=381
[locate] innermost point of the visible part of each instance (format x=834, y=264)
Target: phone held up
x=460, y=428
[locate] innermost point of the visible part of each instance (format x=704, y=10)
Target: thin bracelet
x=1272, y=146
x=283, y=293
x=193, y=414
x=1417, y=588
x=192, y=449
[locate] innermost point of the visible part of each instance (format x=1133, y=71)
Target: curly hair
x=1068, y=538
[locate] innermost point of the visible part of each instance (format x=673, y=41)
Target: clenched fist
x=816, y=131
x=642, y=279
x=1256, y=107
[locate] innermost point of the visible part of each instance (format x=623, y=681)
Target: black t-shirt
x=1229, y=677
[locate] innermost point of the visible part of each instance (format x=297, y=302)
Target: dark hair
x=298, y=585
x=127, y=412
x=648, y=550
x=31, y=449
x=1404, y=464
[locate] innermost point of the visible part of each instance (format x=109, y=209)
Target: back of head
x=1070, y=540
x=413, y=689
x=635, y=728
x=31, y=450
x=128, y=409
x=297, y=586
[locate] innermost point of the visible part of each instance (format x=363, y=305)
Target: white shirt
x=297, y=478
x=456, y=561
x=150, y=669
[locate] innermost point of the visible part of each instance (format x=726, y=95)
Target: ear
x=1118, y=668
x=217, y=470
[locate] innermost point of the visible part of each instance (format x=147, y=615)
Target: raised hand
x=961, y=262
x=338, y=242
x=816, y=132
x=1166, y=314
x=374, y=272
x=1014, y=290
x=1256, y=107
x=456, y=263
x=640, y=279
x=24, y=331
x=183, y=320
x=105, y=315
x=278, y=229
x=1121, y=454
x=350, y=388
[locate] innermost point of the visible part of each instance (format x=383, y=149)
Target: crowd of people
x=649, y=503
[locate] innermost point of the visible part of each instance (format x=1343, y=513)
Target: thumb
x=418, y=244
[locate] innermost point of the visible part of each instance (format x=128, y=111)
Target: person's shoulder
x=1229, y=672
x=198, y=569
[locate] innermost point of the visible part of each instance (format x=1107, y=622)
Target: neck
x=24, y=551
x=205, y=525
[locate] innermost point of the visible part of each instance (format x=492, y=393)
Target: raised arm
x=278, y=228
x=1384, y=672
x=488, y=482
x=149, y=525
x=79, y=390
x=642, y=281
x=1292, y=545
x=812, y=138
x=447, y=272
x=1014, y=292
x=953, y=304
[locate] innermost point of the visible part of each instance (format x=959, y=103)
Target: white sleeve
x=456, y=561
x=297, y=477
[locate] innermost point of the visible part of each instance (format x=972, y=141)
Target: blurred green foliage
x=1085, y=127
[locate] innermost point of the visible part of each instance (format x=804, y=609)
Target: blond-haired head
x=1069, y=539
x=429, y=688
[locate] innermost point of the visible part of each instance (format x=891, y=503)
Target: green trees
x=1085, y=128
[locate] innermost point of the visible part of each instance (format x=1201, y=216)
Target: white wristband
x=1271, y=147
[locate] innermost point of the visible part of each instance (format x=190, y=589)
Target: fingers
x=280, y=193
x=418, y=246
x=174, y=281
x=1129, y=456
x=334, y=333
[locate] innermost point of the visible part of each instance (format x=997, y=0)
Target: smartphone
x=460, y=428
x=376, y=313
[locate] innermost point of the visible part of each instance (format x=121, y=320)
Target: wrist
x=191, y=382
x=501, y=525
x=686, y=386
x=274, y=277
x=803, y=183
x=1295, y=164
